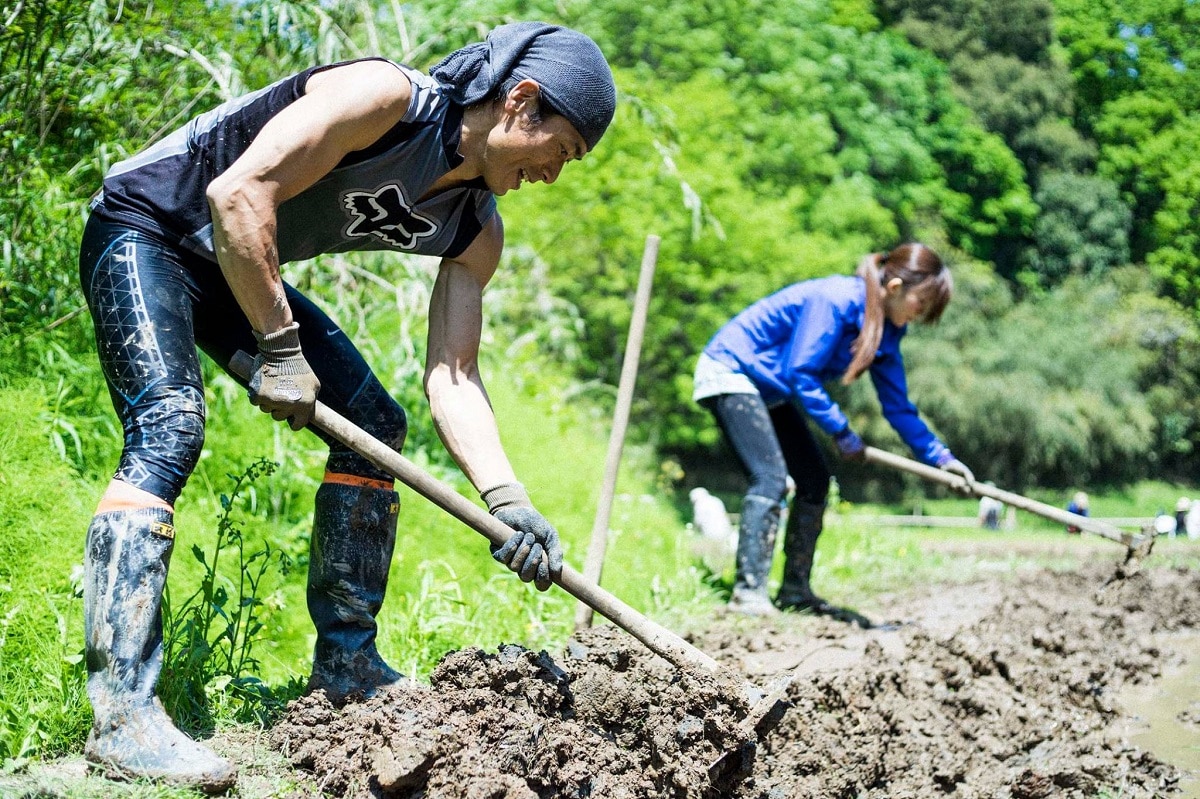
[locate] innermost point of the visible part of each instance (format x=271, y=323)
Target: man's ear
x=524, y=95
x=894, y=285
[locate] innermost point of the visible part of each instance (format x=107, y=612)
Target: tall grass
x=44, y=508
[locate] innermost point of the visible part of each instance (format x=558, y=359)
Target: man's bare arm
x=458, y=400
x=343, y=109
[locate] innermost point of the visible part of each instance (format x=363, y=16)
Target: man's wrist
x=505, y=495
x=285, y=341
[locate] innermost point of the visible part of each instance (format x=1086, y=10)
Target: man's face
x=521, y=150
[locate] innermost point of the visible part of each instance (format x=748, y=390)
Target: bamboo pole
x=594, y=563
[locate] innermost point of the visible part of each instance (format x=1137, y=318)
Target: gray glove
x=281, y=381
x=955, y=466
x=533, y=551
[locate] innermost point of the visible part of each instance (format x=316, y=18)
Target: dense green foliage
x=1134, y=65
x=773, y=141
x=765, y=142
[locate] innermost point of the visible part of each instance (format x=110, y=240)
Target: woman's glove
x=533, y=551
x=849, y=445
x=281, y=381
x=954, y=466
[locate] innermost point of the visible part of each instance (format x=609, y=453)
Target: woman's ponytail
x=867, y=343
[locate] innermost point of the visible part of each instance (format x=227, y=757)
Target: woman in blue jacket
x=764, y=371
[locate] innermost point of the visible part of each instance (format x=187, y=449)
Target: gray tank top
x=370, y=201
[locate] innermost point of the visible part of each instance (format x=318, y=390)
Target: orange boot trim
x=122, y=496
x=361, y=482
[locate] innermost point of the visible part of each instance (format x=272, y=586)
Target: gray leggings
x=772, y=443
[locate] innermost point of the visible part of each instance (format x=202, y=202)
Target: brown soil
x=993, y=689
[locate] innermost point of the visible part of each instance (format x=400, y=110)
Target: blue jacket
x=794, y=340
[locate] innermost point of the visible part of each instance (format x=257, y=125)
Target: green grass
x=44, y=507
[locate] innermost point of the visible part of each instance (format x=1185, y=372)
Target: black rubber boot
x=804, y=524
x=125, y=569
x=354, y=534
x=756, y=547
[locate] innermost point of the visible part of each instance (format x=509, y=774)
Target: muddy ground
x=1009, y=686
x=990, y=689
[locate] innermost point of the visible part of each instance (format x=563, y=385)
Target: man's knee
x=387, y=422
x=164, y=436
x=381, y=417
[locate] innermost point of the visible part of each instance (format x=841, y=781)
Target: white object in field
x=990, y=511
x=1191, y=522
x=709, y=516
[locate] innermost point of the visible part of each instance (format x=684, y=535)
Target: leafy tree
x=1096, y=55
x=1135, y=65
x=1022, y=29
x=1083, y=228
x=1001, y=59
x=1028, y=105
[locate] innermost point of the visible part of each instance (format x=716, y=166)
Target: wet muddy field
x=1003, y=688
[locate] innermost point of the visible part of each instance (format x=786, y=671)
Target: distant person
x=1181, y=510
x=1079, y=506
x=184, y=249
x=762, y=376
x=990, y=511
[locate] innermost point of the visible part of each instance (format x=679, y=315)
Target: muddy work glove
x=533, y=551
x=281, y=381
x=953, y=465
x=849, y=445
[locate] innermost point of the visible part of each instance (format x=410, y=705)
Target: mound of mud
x=611, y=721
x=997, y=690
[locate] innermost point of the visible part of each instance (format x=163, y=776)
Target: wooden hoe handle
x=657, y=638
x=936, y=475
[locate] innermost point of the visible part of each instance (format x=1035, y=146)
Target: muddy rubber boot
x=804, y=525
x=125, y=569
x=755, y=549
x=354, y=534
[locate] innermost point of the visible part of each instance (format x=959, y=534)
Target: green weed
x=209, y=647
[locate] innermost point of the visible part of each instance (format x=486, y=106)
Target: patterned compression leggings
x=152, y=304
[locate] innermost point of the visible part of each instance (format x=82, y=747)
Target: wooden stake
x=594, y=564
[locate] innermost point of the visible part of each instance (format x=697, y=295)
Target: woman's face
x=520, y=150
x=899, y=305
